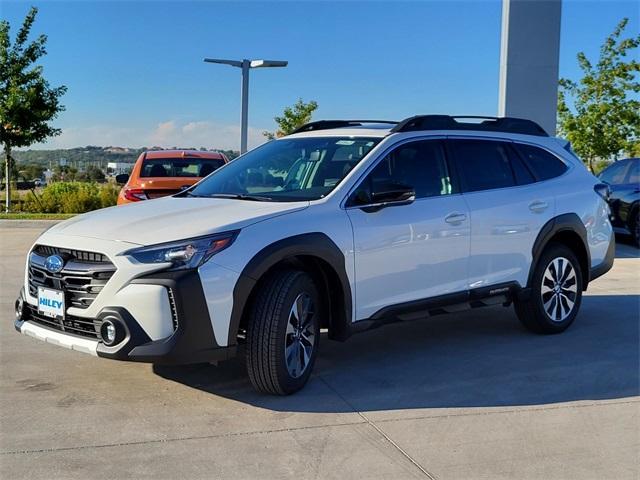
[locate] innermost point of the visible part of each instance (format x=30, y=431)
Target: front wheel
x=556, y=292
x=283, y=333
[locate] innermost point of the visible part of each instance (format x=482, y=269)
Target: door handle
x=538, y=206
x=455, y=218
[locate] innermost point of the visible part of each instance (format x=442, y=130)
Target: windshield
x=287, y=170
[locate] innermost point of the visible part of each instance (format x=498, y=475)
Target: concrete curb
x=5, y=223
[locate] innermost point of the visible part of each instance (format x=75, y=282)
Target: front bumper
x=192, y=340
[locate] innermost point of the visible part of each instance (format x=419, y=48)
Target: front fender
x=315, y=244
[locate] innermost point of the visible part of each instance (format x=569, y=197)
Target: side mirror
x=122, y=178
x=384, y=195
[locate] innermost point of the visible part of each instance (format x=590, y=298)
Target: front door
x=414, y=251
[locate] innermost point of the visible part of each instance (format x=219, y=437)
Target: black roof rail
x=490, y=124
x=329, y=124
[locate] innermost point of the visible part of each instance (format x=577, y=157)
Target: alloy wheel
x=300, y=335
x=559, y=289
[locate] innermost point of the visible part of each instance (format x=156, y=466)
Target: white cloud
x=170, y=133
x=163, y=132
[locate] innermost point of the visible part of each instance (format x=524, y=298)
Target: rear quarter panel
x=575, y=194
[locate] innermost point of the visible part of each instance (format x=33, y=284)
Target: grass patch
x=36, y=216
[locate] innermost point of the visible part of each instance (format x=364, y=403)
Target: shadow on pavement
x=479, y=358
x=625, y=247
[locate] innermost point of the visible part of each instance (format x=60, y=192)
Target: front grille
x=83, y=327
x=79, y=255
x=83, y=277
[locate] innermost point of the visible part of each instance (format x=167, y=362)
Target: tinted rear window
x=483, y=164
x=520, y=170
x=543, y=164
x=179, y=167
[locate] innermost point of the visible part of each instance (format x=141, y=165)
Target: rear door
x=507, y=209
x=410, y=252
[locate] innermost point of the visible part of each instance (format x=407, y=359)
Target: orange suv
x=159, y=173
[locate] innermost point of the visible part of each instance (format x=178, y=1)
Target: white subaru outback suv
x=341, y=225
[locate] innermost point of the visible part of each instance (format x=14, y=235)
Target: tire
x=281, y=351
x=552, y=306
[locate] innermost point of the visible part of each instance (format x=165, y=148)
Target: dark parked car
x=623, y=178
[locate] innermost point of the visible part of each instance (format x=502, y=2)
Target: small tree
x=27, y=103
x=91, y=174
x=292, y=118
x=604, y=121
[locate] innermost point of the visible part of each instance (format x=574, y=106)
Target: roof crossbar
x=329, y=124
x=490, y=124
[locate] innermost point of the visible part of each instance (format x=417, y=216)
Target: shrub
x=109, y=195
x=71, y=197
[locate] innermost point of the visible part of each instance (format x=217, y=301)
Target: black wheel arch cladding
x=568, y=224
x=315, y=246
x=194, y=340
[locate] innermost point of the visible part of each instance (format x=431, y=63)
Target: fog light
x=110, y=333
x=19, y=309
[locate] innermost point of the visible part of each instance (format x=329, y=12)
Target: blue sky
x=136, y=77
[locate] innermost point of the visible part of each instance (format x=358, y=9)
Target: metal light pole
x=246, y=65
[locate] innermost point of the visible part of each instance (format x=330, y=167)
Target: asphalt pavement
x=460, y=396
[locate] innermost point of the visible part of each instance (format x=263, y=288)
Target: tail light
x=135, y=194
x=603, y=190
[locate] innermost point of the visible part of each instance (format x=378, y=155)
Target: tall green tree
x=293, y=117
x=27, y=102
x=599, y=113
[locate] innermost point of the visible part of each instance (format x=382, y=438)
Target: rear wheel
x=556, y=292
x=283, y=333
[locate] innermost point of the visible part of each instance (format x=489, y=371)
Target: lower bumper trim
x=47, y=335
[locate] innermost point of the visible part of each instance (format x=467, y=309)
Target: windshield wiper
x=240, y=196
x=187, y=193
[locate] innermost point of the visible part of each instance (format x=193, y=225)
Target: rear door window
x=523, y=174
x=483, y=164
x=543, y=164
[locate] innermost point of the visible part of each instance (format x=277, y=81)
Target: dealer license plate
x=51, y=302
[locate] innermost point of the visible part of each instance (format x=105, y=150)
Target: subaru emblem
x=54, y=263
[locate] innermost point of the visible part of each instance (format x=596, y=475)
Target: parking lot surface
x=460, y=396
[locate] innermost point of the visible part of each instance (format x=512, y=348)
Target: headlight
x=184, y=254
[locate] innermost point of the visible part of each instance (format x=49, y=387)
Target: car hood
x=169, y=219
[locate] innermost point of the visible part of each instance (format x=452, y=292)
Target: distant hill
x=81, y=157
